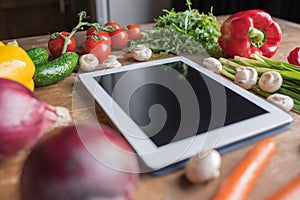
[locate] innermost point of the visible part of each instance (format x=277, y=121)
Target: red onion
x=24, y=118
x=81, y=162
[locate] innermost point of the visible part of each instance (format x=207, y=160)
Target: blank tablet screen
x=156, y=101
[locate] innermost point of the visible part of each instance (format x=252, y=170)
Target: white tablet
x=170, y=109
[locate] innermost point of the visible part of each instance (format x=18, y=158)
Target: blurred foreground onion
x=24, y=118
x=83, y=162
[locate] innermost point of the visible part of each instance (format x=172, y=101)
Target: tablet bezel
x=159, y=157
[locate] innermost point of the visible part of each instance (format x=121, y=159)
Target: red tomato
x=119, y=39
x=90, y=30
x=134, y=32
x=113, y=24
x=98, y=47
x=102, y=34
x=56, y=43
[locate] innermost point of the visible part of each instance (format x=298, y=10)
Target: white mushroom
x=284, y=102
x=212, y=64
x=203, y=167
x=88, y=62
x=270, y=81
x=141, y=53
x=246, y=77
x=111, y=62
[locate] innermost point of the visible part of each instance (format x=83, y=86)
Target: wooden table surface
x=283, y=167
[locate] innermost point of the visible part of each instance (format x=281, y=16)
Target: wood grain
x=68, y=93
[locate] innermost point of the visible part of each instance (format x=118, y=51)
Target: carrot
x=238, y=184
x=290, y=191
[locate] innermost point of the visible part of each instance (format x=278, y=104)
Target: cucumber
x=56, y=69
x=39, y=56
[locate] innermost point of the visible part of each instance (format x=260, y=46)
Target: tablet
x=172, y=108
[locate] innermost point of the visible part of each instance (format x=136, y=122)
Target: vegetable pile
x=61, y=167
x=188, y=31
x=290, y=75
x=100, y=40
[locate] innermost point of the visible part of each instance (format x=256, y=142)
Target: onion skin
x=24, y=118
x=64, y=167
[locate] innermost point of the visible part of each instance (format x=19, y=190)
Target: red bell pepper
x=294, y=56
x=251, y=31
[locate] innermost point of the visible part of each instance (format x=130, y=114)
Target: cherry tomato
x=96, y=46
x=119, y=39
x=90, y=30
x=102, y=34
x=134, y=32
x=56, y=43
x=113, y=24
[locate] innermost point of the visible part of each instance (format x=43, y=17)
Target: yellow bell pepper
x=15, y=64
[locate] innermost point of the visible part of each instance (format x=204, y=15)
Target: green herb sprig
x=204, y=29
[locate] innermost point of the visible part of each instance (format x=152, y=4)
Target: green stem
x=257, y=36
x=251, y=62
x=276, y=63
x=291, y=84
x=82, y=15
x=229, y=63
x=189, y=3
x=287, y=92
x=296, y=106
x=225, y=73
x=256, y=89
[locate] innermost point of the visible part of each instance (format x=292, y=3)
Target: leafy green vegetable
x=181, y=28
x=165, y=41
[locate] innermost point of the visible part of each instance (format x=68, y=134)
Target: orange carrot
x=290, y=191
x=239, y=183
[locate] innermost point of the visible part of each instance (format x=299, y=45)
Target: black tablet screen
x=173, y=101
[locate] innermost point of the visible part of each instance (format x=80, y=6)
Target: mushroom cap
x=200, y=169
x=141, y=53
x=245, y=77
x=270, y=81
x=111, y=62
x=212, y=64
x=284, y=102
x=88, y=62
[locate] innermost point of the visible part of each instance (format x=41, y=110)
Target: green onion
x=290, y=74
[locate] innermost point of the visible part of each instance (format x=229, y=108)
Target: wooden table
x=283, y=167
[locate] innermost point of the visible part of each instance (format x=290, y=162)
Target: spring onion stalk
x=290, y=93
x=276, y=63
x=229, y=63
x=226, y=73
x=251, y=62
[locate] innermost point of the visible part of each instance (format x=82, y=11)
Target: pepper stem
x=258, y=37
